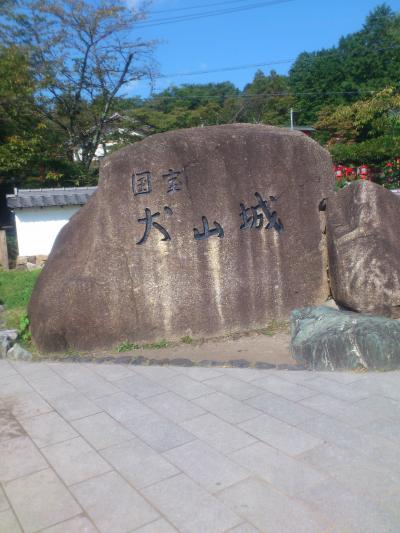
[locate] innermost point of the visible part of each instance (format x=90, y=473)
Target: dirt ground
x=253, y=348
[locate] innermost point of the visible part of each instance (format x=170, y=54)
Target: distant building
x=41, y=213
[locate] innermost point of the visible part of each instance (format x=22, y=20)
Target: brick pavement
x=116, y=449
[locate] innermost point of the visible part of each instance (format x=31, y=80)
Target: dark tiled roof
x=23, y=198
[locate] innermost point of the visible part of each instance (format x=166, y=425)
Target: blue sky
x=266, y=34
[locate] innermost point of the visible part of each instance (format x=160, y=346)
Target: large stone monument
x=195, y=232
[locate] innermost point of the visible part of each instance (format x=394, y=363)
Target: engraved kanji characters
x=207, y=232
x=149, y=221
x=173, y=181
x=251, y=218
x=141, y=182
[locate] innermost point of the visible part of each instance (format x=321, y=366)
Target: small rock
x=239, y=363
x=4, y=346
x=264, y=366
x=17, y=353
x=2, y=308
x=31, y=266
x=326, y=339
x=11, y=334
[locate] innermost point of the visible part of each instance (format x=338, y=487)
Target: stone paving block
x=139, y=463
x=4, y=505
x=391, y=503
x=29, y=404
x=27, y=368
x=325, y=404
x=74, y=460
x=380, y=407
x=123, y=407
x=174, y=407
x=47, y=429
x=157, y=373
x=98, y=387
x=6, y=369
x=348, y=510
x=187, y=387
x=356, y=416
x=200, y=373
x=139, y=386
x=269, y=510
x=227, y=408
x=89, y=383
x=49, y=384
x=158, y=432
x=12, y=385
x=296, y=376
x=328, y=457
x=280, y=435
x=388, y=429
x=41, y=500
x=190, y=508
x=244, y=374
x=9, y=523
x=206, y=466
x=19, y=457
x=285, y=473
x=159, y=526
x=367, y=477
x=222, y=436
x=234, y=387
x=79, y=524
x=346, y=392
x=344, y=377
x=345, y=436
x=244, y=528
x=279, y=407
x=102, y=430
x=9, y=425
x=74, y=406
x=113, y=504
x=282, y=387
x=112, y=372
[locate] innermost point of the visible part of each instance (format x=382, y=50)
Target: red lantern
x=338, y=172
x=363, y=172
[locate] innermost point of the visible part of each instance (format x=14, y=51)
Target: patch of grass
x=127, y=346
x=273, y=328
x=16, y=287
x=187, y=339
x=156, y=345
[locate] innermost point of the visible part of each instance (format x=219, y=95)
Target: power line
x=253, y=65
x=201, y=6
x=208, y=14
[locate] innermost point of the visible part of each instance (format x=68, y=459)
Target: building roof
x=25, y=198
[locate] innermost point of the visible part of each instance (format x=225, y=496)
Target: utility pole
x=291, y=118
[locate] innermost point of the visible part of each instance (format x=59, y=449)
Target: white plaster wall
x=37, y=228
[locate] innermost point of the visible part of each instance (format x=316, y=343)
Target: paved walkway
x=116, y=449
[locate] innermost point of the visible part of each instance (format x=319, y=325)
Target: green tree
x=81, y=55
x=267, y=99
x=362, y=62
x=366, y=131
x=27, y=143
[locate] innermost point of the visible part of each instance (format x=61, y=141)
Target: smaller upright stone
x=326, y=339
x=17, y=353
x=363, y=237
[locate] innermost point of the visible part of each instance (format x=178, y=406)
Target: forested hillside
x=56, y=112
